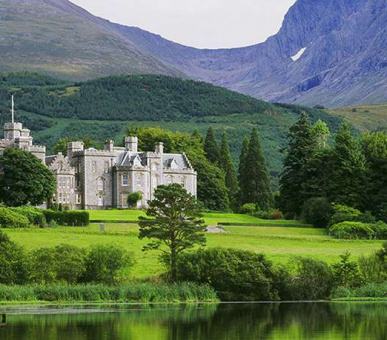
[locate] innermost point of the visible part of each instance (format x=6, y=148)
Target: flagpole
x=13, y=110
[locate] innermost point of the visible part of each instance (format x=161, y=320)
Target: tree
x=174, y=221
x=228, y=167
x=24, y=179
x=346, y=182
x=257, y=180
x=321, y=133
x=242, y=179
x=134, y=198
x=375, y=150
x=300, y=148
x=211, y=147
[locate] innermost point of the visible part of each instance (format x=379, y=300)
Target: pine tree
x=257, y=179
x=302, y=145
x=228, y=167
x=242, y=176
x=347, y=170
x=211, y=147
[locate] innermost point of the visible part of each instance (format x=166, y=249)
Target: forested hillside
x=104, y=108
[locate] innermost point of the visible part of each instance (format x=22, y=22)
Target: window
x=77, y=183
x=94, y=166
x=101, y=184
x=125, y=180
x=59, y=182
x=182, y=182
x=54, y=198
x=68, y=198
x=68, y=182
x=106, y=167
x=138, y=179
x=60, y=198
x=63, y=182
x=78, y=199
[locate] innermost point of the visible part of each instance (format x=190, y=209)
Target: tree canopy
x=174, y=221
x=24, y=179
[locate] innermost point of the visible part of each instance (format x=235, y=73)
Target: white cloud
x=199, y=23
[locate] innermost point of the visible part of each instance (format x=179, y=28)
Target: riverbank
x=125, y=293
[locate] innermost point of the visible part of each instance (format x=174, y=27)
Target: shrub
x=371, y=269
x=103, y=262
x=134, y=198
x=248, y=208
x=64, y=263
x=269, y=215
x=234, y=274
x=371, y=290
x=359, y=230
x=318, y=212
x=352, y=230
x=11, y=219
x=346, y=273
x=33, y=214
x=312, y=280
x=69, y=218
x=343, y=213
x=14, y=265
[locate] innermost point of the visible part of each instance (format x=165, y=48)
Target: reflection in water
x=205, y=322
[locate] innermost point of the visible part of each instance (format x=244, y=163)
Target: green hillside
x=102, y=109
x=365, y=117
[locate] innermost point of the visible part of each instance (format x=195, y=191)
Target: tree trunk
x=173, y=265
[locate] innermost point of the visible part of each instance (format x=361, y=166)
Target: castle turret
x=74, y=147
x=159, y=148
x=131, y=144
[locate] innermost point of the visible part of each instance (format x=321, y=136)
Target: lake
x=354, y=320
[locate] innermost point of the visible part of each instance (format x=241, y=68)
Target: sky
x=197, y=23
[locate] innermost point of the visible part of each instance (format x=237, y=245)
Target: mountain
x=328, y=52
x=61, y=39
x=104, y=108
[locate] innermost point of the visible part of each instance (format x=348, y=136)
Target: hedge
x=33, y=214
x=68, y=218
x=11, y=219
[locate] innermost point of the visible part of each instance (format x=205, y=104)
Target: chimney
x=131, y=144
x=159, y=148
x=109, y=145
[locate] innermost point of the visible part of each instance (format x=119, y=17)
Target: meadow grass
x=280, y=244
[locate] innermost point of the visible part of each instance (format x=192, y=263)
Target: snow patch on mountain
x=299, y=54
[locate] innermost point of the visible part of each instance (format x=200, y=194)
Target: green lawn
x=212, y=218
x=280, y=244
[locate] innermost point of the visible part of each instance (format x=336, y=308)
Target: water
x=363, y=321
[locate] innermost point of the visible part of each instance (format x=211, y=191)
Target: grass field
x=365, y=117
x=280, y=244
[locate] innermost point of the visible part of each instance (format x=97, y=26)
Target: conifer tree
x=256, y=178
x=301, y=147
x=242, y=176
x=211, y=147
x=347, y=170
x=228, y=167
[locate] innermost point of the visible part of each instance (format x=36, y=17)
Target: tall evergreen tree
x=228, y=167
x=301, y=147
x=242, y=176
x=346, y=185
x=256, y=178
x=375, y=151
x=211, y=147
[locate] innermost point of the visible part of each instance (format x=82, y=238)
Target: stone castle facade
x=100, y=179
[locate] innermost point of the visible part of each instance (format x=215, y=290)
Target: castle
x=101, y=179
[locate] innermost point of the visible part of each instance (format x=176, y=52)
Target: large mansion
x=99, y=179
